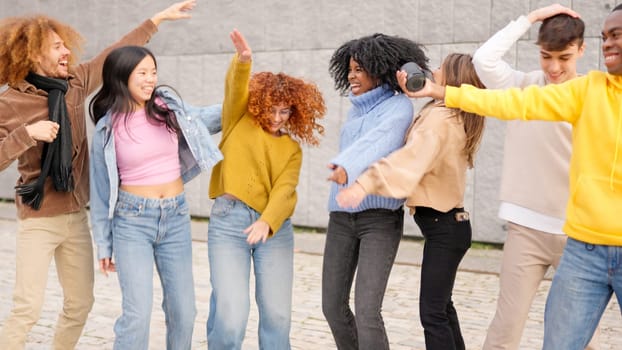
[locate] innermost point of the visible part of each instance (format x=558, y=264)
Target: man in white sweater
x=534, y=185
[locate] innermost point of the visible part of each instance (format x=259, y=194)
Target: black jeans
x=447, y=239
x=369, y=240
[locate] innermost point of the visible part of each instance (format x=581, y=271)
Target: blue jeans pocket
x=183, y=209
x=222, y=206
x=127, y=209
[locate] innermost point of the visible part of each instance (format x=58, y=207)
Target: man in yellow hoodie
x=591, y=266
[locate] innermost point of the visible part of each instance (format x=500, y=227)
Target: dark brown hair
x=560, y=31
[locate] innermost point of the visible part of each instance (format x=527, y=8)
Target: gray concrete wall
x=298, y=38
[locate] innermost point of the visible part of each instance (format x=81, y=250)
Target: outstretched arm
x=399, y=174
x=236, y=83
x=90, y=72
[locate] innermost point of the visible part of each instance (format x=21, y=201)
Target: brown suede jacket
x=23, y=104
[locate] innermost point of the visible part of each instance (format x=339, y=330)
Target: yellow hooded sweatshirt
x=593, y=105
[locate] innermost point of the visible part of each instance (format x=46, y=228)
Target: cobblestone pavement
x=475, y=296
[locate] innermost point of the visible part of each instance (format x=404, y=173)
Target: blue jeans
x=147, y=231
x=365, y=242
x=447, y=239
x=230, y=263
x=587, y=276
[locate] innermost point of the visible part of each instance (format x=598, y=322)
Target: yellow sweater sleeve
x=282, y=198
x=236, y=94
x=259, y=169
x=553, y=102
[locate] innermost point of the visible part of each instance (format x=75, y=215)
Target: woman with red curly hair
x=264, y=118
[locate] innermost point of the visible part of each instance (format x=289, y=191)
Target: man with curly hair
x=42, y=126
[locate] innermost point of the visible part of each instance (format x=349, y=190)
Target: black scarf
x=56, y=156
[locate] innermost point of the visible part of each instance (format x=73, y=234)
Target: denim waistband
x=431, y=212
x=229, y=197
x=169, y=202
x=369, y=212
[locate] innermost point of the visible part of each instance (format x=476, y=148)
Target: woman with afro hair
x=364, y=239
x=430, y=172
x=264, y=118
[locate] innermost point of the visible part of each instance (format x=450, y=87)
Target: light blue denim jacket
x=197, y=152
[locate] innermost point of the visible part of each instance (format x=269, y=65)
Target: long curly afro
x=380, y=55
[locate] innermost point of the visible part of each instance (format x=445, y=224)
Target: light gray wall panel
x=298, y=37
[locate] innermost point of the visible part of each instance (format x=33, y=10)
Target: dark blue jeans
x=368, y=241
x=447, y=239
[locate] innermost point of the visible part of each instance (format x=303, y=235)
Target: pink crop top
x=147, y=153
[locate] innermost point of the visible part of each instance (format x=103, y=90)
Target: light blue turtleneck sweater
x=376, y=126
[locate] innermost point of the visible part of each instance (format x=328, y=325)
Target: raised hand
x=241, y=46
x=179, y=10
x=549, y=11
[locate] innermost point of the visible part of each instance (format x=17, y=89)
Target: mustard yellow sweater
x=258, y=168
x=593, y=105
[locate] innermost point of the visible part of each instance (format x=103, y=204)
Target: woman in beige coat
x=430, y=172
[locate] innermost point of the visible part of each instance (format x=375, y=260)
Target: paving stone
x=475, y=295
